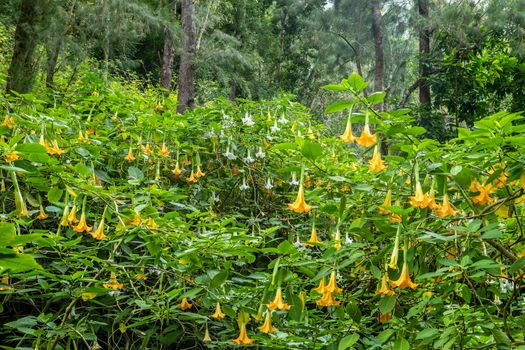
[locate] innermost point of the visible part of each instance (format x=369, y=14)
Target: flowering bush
x=125, y=225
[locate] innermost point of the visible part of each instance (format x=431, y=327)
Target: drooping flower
x=72, y=217
x=150, y=223
x=395, y=251
x=283, y=119
x=177, y=172
x=53, y=149
x=431, y=199
x=130, y=157
x=192, y=179
x=404, y=278
x=185, y=304
x=313, y=237
x=244, y=186
x=328, y=300
x=332, y=284
x=347, y=135
x=275, y=128
x=113, y=283
x=243, y=336
x=228, y=154
x=419, y=200
x=267, y=325
x=12, y=156
x=474, y=186
x=199, y=172
x=300, y=206
x=82, y=225
x=294, y=181
x=268, y=184
x=249, y=159
x=384, y=290
x=136, y=220
x=186, y=161
x=376, y=163
x=207, y=337
x=320, y=289
x=218, y=314
x=387, y=203
x=8, y=122
x=42, y=214
x=164, y=151
x=484, y=194
x=148, y=150
x=260, y=153
x=445, y=209
x=82, y=138
x=337, y=238
x=141, y=275
x=99, y=232
x=366, y=139
x=278, y=302
x=248, y=120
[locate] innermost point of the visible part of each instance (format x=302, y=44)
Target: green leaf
x=348, y=341
x=218, y=279
x=54, y=195
x=376, y=98
x=356, y=82
x=135, y=173
x=517, y=265
x=335, y=87
x=311, y=150
x=387, y=304
x=34, y=152
x=285, y=247
x=428, y=334
x=401, y=344
x=7, y=233
x=338, y=106
x=18, y=263
x=456, y=170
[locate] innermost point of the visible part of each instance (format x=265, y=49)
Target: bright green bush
x=114, y=152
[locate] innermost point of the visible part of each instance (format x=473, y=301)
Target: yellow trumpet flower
x=300, y=206
x=366, y=139
x=278, y=302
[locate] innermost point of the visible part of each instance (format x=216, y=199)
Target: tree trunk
x=22, y=70
x=378, y=44
x=52, y=51
x=167, y=62
x=166, y=74
x=187, y=57
x=424, y=53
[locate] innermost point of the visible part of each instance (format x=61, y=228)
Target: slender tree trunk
x=378, y=44
x=168, y=54
x=424, y=53
x=167, y=62
x=53, y=51
x=22, y=70
x=187, y=57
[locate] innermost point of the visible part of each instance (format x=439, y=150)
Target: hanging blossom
x=249, y=159
x=228, y=154
x=275, y=128
x=244, y=185
x=294, y=181
x=268, y=185
x=269, y=136
x=210, y=134
x=283, y=120
x=248, y=120
x=260, y=153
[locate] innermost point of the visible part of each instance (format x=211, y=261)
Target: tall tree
x=378, y=44
x=424, y=53
x=166, y=73
x=187, y=58
x=22, y=70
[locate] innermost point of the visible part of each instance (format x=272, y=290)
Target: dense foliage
x=125, y=225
